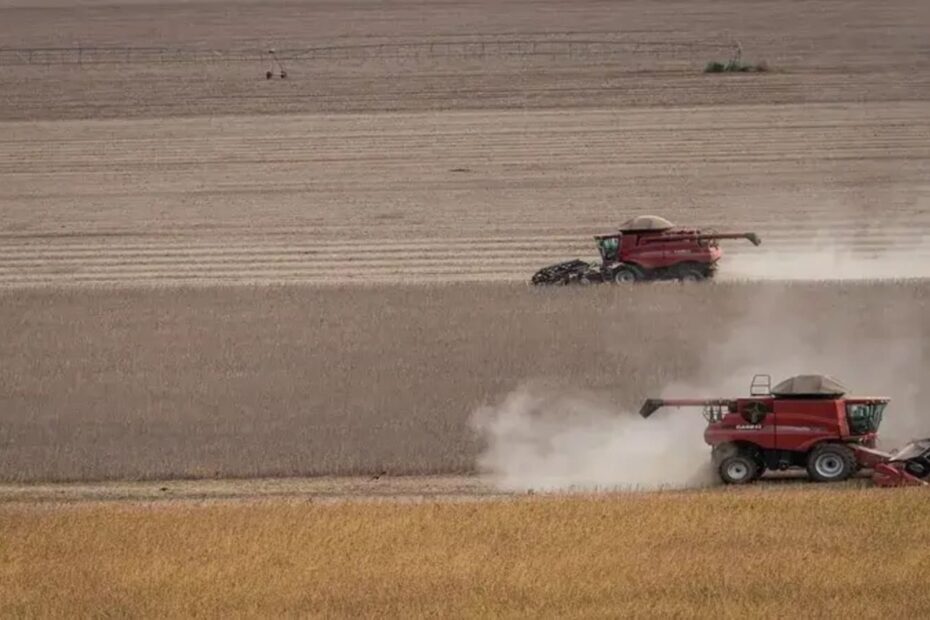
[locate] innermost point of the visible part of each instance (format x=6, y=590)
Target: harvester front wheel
x=738, y=469
x=831, y=462
x=624, y=275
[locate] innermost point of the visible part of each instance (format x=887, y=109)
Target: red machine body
x=644, y=248
x=794, y=425
x=816, y=427
x=666, y=254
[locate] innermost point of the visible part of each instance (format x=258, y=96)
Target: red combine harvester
x=647, y=247
x=807, y=422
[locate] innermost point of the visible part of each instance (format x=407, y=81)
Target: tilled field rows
x=448, y=196
x=245, y=260
x=256, y=260
x=152, y=91
x=137, y=60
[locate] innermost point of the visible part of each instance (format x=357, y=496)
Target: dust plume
x=874, y=347
x=541, y=440
x=898, y=249
x=823, y=264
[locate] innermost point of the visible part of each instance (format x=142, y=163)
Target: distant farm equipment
x=275, y=64
x=808, y=422
x=647, y=247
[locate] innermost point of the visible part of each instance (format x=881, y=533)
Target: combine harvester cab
x=806, y=422
x=645, y=248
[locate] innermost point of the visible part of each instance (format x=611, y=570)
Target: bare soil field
x=146, y=163
x=288, y=381
x=430, y=141
x=95, y=59
x=338, y=489
x=425, y=197
x=853, y=553
x=315, y=489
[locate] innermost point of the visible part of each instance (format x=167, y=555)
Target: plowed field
x=422, y=142
x=435, y=141
x=425, y=197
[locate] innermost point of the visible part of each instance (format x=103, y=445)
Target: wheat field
x=760, y=554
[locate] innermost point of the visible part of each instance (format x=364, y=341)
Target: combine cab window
x=609, y=247
x=864, y=417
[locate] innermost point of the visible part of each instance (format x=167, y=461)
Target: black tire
x=691, y=274
x=740, y=468
x=624, y=275
x=831, y=462
x=917, y=468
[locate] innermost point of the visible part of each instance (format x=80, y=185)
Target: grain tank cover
x=810, y=385
x=646, y=222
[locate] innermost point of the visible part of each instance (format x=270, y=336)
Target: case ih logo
x=749, y=427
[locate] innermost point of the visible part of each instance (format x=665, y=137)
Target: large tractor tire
x=831, y=462
x=624, y=275
x=691, y=274
x=740, y=468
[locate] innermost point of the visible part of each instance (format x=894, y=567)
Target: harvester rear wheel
x=690, y=274
x=831, y=462
x=738, y=469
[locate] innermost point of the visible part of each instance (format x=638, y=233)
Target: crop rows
x=133, y=61
x=294, y=380
x=461, y=196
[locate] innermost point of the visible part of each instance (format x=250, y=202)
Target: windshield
x=864, y=417
x=608, y=247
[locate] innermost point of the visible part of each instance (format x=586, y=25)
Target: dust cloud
x=824, y=265
x=539, y=440
x=873, y=347
x=899, y=249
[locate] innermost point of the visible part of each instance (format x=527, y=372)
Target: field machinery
x=647, y=247
x=807, y=422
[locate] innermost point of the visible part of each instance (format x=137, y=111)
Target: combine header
x=807, y=422
x=647, y=247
